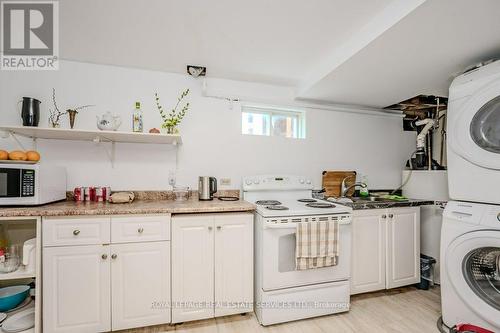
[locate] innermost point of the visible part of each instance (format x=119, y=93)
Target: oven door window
x=10, y=183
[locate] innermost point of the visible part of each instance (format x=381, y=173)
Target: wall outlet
x=225, y=181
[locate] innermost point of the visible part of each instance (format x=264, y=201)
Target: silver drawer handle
x=210, y=228
x=104, y=256
x=384, y=216
x=391, y=216
x=76, y=232
x=114, y=256
x=140, y=230
x=219, y=227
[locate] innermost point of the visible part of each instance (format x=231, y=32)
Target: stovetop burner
x=268, y=202
x=307, y=200
x=320, y=205
x=277, y=207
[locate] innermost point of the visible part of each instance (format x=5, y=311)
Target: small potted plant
x=55, y=115
x=174, y=117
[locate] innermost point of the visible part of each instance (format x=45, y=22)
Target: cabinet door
x=140, y=284
x=403, y=247
x=233, y=263
x=368, y=251
x=192, y=267
x=76, y=289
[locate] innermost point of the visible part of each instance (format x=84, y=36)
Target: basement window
x=272, y=121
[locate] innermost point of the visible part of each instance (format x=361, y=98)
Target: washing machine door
x=473, y=267
x=475, y=128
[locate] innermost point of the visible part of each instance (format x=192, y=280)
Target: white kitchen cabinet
x=233, y=264
x=192, y=267
x=368, y=251
x=212, y=265
x=403, y=247
x=123, y=282
x=76, y=289
x=385, y=249
x=140, y=284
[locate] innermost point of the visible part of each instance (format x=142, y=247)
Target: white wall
x=212, y=144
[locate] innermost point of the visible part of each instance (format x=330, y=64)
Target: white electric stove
x=281, y=292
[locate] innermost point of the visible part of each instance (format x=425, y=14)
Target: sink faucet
x=344, y=188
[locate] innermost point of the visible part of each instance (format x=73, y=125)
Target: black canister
x=30, y=112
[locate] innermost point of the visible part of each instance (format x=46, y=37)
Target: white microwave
x=31, y=184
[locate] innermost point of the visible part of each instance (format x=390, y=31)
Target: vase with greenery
x=55, y=114
x=175, y=116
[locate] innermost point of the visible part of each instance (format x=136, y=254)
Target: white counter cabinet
x=105, y=273
x=385, y=249
x=212, y=265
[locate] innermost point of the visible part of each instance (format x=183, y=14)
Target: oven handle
x=293, y=225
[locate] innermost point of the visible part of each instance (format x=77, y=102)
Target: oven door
x=278, y=258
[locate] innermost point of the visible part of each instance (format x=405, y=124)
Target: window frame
x=275, y=111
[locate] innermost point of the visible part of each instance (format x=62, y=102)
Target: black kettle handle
x=213, y=185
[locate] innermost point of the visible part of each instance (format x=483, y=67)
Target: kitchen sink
x=369, y=199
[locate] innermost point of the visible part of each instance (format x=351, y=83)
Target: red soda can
x=87, y=194
x=91, y=193
x=106, y=192
x=98, y=194
x=78, y=194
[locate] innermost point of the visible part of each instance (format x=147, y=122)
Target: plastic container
x=181, y=193
x=426, y=272
x=10, y=259
x=12, y=296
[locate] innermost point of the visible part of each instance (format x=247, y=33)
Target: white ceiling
x=361, y=52
x=253, y=40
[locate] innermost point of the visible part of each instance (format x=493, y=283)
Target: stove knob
x=301, y=181
x=308, y=181
x=248, y=182
x=256, y=181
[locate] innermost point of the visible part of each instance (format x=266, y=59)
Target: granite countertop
x=193, y=205
x=361, y=204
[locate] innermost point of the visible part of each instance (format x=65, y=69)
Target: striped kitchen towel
x=316, y=244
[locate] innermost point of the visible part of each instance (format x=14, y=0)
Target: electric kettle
x=207, y=186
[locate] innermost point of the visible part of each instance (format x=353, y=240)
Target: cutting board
x=332, y=182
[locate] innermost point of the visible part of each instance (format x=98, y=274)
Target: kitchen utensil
x=228, y=198
x=29, y=251
x=181, y=193
x=20, y=321
x=108, y=122
x=9, y=259
x=30, y=111
x=12, y=296
x=207, y=186
x=332, y=181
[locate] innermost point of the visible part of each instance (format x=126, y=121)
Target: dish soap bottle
x=137, y=118
x=363, y=191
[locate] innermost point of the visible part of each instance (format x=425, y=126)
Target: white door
x=233, y=263
x=76, y=289
x=368, y=250
x=403, y=247
x=192, y=267
x=140, y=284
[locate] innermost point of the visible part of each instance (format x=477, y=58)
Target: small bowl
x=11, y=259
x=12, y=296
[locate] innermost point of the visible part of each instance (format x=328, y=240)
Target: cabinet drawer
x=58, y=231
x=129, y=229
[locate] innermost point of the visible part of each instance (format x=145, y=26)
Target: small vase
x=171, y=129
x=72, y=117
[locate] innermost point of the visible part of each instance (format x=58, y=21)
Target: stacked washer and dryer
x=470, y=236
